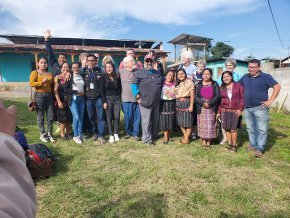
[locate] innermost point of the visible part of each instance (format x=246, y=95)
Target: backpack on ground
x=21, y=139
x=40, y=161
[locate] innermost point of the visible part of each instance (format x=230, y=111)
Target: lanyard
x=91, y=73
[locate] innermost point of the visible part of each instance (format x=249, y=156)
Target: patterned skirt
x=184, y=117
x=167, y=115
x=230, y=121
x=206, y=123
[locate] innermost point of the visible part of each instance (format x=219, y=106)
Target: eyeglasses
x=75, y=68
x=253, y=67
x=91, y=60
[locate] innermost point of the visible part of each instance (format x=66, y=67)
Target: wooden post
x=35, y=59
x=72, y=58
x=282, y=103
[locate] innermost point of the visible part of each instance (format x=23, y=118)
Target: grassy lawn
x=130, y=179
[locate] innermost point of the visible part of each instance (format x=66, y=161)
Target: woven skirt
x=206, y=123
x=230, y=121
x=167, y=115
x=184, y=117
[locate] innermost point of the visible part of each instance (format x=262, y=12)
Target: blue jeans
x=132, y=118
x=257, y=121
x=77, y=109
x=96, y=106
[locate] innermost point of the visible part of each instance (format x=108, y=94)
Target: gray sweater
x=127, y=95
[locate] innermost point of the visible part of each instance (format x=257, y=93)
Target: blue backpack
x=21, y=139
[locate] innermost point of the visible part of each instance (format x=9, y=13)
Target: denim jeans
x=132, y=118
x=113, y=113
x=44, y=102
x=95, y=106
x=77, y=108
x=257, y=121
x=150, y=123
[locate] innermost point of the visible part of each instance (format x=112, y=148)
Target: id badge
x=91, y=85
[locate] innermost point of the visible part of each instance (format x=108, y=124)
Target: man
x=17, y=198
x=137, y=64
x=186, y=63
x=196, y=77
x=256, y=85
x=131, y=110
x=91, y=75
x=52, y=62
x=147, y=90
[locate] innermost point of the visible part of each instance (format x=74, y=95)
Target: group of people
x=188, y=98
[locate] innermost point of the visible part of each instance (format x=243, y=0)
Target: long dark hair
x=177, y=80
x=114, y=74
x=222, y=77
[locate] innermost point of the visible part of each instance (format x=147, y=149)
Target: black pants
x=113, y=113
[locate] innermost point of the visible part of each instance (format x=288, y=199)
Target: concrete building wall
x=282, y=76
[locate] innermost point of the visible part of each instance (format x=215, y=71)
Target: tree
x=221, y=50
x=249, y=57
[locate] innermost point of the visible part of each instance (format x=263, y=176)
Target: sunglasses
x=149, y=61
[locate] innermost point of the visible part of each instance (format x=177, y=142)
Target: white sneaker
x=111, y=139
x=224, y=141
x=77, y=140
x=50, y=137
x=116, y=136
x=43, y=137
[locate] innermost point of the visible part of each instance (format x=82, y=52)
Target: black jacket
x=91, y=76
x=110, y=88
x=214, y=102
x=52, y=62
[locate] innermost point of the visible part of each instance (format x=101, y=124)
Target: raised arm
x=51, y=56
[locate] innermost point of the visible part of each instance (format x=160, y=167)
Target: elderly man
x=146, y=87
x=186, y=63
x=131, y=110
x=256, y=85
x=52, y=62
x=136, y=64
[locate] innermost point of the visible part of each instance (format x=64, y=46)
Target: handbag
x=31, y=103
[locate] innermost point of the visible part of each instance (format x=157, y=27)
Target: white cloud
x=99, y=19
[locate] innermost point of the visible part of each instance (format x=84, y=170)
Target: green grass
x=129, y=179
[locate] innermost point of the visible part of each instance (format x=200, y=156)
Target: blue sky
x=246, y=25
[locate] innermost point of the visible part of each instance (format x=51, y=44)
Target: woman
x=74, y=91
x=63, y=114
x=42, y=81
x=110, y=85
x=167, y=107
x=207, y=97
x=231, y=108
x=184, y=93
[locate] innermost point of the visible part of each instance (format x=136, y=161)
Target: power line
x=283, y=46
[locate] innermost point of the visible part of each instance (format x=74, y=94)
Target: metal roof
x=184, y=39
x=38, y=40
x=73, y=49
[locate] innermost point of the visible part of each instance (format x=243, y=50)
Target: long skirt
x=167, y=115
x=206, y=122
x=230, y=121
x=184, y=117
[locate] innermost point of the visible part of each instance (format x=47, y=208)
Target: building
x=218, y=67
x=18, y=57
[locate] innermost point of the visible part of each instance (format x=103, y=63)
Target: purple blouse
x=206, y=92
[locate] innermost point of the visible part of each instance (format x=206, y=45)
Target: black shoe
x=165, y=142
x=151, y=143
x=137, y=138
x=193, y=137
x=127, y=136
x=64, y=138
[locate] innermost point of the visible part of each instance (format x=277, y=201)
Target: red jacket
x=237, y=101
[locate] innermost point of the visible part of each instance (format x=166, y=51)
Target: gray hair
x=201, y=62
x=106, y=59
x=127, y=59
x=232, y=61
x=187, y=54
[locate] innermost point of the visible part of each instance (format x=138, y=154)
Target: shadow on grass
x=273, y=136
x=141, y=204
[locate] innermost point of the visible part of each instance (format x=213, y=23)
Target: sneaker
x=111, y=139
x=77, y=140
x=137, y=138
x=224, y=141
x=101, y=140
x=258, y=154
x=43, y=137
x=127, y=136
x=50, y=137
x=193, y=136
x=116, y=136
